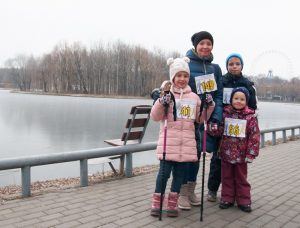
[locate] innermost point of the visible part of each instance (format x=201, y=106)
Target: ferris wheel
x=272, y=63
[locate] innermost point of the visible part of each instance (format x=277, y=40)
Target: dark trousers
x=191, y=172
x=178, y=170
x=214, y=178
x=235, y=186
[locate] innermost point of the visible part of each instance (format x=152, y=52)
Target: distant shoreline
x=113, y=96
x=77, y=95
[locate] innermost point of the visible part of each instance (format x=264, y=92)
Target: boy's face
x=234, y=66
x=239, y=100
x=181, y=79
x=204, y=48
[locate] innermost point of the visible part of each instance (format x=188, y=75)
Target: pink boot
x=172, y=209
x=155, y=204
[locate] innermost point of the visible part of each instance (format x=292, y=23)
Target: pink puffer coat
x=181, y=143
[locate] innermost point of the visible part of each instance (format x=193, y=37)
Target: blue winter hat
x=240, y=89
x=236, y=55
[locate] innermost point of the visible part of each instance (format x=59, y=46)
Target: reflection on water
x=32, y=124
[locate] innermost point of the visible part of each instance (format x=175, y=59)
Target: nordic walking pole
x=165, y=90
x=204, y=154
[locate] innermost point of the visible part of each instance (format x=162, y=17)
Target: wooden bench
x=134, y=132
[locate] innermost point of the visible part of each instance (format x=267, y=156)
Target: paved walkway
x=275, y=179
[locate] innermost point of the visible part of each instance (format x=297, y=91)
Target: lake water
x=32, y=124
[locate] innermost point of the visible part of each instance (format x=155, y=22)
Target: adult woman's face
x=204, y=48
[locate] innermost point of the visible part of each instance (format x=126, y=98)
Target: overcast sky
x=265, y=32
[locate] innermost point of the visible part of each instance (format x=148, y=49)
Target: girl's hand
x=248, y=160
x=209, y=99
x=165, y=99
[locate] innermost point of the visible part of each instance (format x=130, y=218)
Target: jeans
x=178, y=171
x=214, y=178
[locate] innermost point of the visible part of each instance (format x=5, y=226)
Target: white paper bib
x=205, y=83
x=235, y=127
x=226, y=95
x=186, y=109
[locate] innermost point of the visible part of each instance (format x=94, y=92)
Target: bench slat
x=136, y=122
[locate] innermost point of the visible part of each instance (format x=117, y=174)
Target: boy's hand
x=213, y=126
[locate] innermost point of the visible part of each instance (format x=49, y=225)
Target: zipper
x=204, y=67
x=181, y=139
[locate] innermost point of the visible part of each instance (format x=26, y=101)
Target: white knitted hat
x=177, y=65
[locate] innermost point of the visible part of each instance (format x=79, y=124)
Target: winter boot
x=225, y=205
x=172, y=209
x=155, y=204
x=245, y=208
x=211, y=196
x=194, y=200
x=183, y=200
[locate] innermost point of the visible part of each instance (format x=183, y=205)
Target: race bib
x=226, y=95
x=205, y=83
x=235, y=127
x=186, y=109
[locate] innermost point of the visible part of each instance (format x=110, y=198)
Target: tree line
x=113, y=69
x=276, y=88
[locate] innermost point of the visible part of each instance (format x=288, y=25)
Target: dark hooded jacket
x=232, y=81
x=200, y=67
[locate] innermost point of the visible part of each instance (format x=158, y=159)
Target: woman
x=204, y=78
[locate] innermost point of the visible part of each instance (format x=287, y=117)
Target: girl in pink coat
x=183, y=111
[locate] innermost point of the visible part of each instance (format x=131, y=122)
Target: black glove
x=213, y=127
x=213, y=121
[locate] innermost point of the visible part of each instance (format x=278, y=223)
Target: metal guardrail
x=25, y=163
x=274, y=130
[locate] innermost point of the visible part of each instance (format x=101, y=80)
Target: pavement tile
x=126, y=202
x=291, y=225
x=273, y=224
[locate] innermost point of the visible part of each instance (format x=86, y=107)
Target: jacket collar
x=232, y=77
x=175, y=89
x=194, y=56
x=245, y=111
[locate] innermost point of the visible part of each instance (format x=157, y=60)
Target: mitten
x=209, y=99
x=165, y=99
x=248, y=160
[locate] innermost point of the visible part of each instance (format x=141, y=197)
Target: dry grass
x=11, y=192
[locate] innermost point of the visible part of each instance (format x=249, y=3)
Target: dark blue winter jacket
x=199, y=67
x=232, y=81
